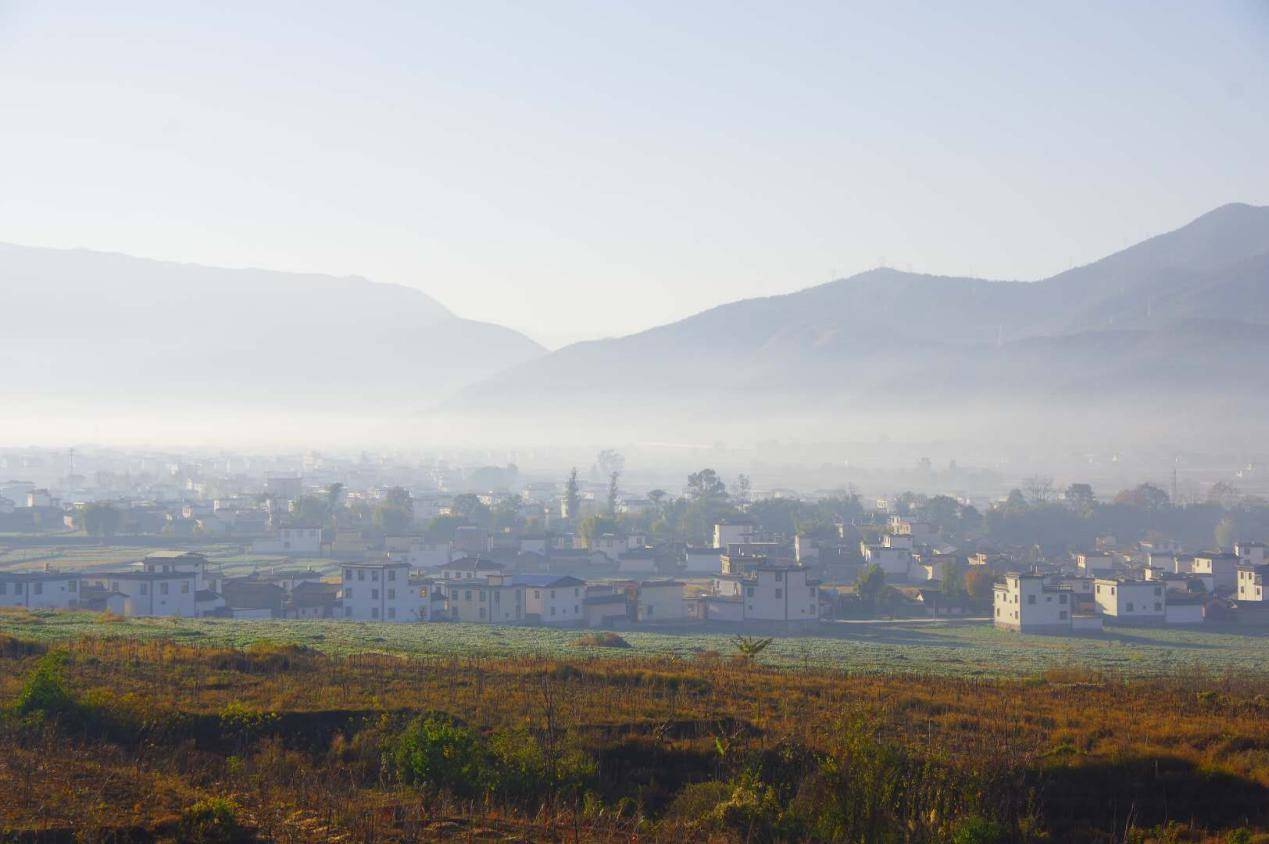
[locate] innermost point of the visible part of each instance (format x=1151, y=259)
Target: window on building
x=145, y=589
x=348, y=574
x=779, y=593
x=374, y=594
x=361, y=574
x=39, y=588
x=4, y=588
x=347, y=592
x=1062, y=598
x=1031, y=599
x=184, y=587
x=552, y=610
x=392, y=594
x=1128, y=606
x=374, y=612
x=1158, y=606
x=374, y=575
x=1062, y=615
x=392, y=574
x=392, y=612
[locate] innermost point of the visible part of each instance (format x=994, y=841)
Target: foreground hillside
x=154, y=740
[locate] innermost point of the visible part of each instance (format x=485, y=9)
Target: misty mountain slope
x=1181, y=311
x=106, y=325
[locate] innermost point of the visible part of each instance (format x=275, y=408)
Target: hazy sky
x=585, y=169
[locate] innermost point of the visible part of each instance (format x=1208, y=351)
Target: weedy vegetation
x=127, y=738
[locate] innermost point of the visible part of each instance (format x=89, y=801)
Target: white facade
x=1130, y=600
x=1025, y=602
x=1251, y=553
x=637, y=561
x=39, y=590
x=780, y=593
x=704, y=561
x=740, y=533
x=1251, y=582
x=895, y=562
x=192, y=564
x=292, y=540
x=1183, y=612
x=1218, y=571
x=380, y=592
x=1092, y=564
x=805, y=550
x=470, y=568
x=897, y=540
x=151, y=593
x=660, y=601
x=484, y=602
x=554, y=600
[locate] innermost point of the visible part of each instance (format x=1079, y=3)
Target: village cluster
x=364, y=540
x=743, y=579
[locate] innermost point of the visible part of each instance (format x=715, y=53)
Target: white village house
x=780, y=593
x=1121, y=599
x=382, y=592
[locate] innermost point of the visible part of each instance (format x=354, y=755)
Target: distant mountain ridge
x=103, y=324
x=1182, y=314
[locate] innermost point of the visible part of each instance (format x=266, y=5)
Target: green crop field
x=228, y=558
x=948, y=649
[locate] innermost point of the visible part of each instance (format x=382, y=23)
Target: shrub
x=13, y=648
x=436, y=754
x=976, y=830
x=602, y=640
x=213, y=821
x=45, y=691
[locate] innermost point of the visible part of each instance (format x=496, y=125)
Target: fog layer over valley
x=1161, y=345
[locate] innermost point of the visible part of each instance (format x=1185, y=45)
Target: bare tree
x=1039, y=488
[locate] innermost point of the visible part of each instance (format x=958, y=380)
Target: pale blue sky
x=587, y=169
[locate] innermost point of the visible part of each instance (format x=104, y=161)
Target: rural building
x=39, y=590
x=659, y=601
x=1121, y=599
x=491, y=601
x=378, y=592
x=552, y=598
x=1218, y=571
x=739, y=532
x=299, y=540
x=1184, y=608
x=605, y=609
x=147, y=593
x=703, y=560
x=1026, y=602
x=471, y=568
x=1251, y=582
x=1094, y=563
x=780, y=593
